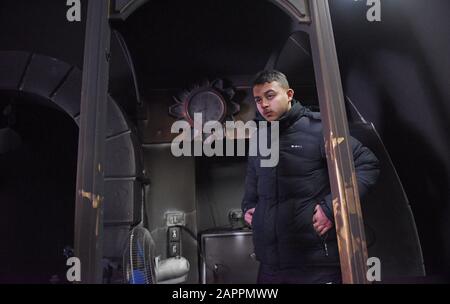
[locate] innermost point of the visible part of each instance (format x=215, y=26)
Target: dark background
x=37, y=181
x=396, y=71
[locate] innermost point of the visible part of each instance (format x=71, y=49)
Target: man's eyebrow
x=269, y=91
x=266, y=92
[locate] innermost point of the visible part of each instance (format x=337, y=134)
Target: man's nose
x=264, y=103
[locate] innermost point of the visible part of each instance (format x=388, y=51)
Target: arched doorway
x=37, y=182
x=46, y=93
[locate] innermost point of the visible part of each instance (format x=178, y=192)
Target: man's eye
x=270, y=96
x=258, y=100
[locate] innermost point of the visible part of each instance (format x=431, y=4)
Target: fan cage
x=138, y=258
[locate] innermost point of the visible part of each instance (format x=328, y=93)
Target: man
x=289, y=206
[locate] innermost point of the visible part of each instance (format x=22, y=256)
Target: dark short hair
x=270, y=76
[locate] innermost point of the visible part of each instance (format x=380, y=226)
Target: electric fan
x=139, y=257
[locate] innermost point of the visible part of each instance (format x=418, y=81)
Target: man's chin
x=270, y=118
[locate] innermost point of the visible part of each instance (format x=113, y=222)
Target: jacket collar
x=291, y=116
x=287, y=119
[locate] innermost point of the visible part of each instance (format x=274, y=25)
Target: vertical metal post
x=346, y=205
x=93, y=112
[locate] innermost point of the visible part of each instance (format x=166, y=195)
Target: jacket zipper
x=325, y=246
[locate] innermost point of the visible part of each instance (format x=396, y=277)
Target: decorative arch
x=297, y=9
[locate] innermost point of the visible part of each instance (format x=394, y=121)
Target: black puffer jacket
x=285, y=195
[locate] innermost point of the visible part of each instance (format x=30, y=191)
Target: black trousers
x=302, y=275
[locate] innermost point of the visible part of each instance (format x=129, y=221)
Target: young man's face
x=272, y=100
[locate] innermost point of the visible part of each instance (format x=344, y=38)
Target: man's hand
x=249, y=215
x=321, y=222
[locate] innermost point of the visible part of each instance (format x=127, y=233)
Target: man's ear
x=290, y=94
